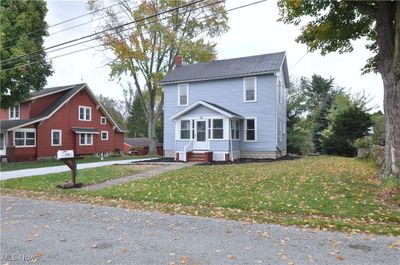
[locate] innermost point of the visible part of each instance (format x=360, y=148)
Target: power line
x=63, y=22
x=105, y=30
x=92, y=47
x=298, y=61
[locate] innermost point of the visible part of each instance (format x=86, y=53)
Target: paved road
x=156, y=171
x=69, y=233
x=56, y=169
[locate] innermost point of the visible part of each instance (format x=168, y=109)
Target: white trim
x=85, y=108
x=219, y=78
x=245, y=130
x=19, y=112
x=101, y=136
x=255, y=89
x=101, y=120
x=56, y=130
x=85, y=139
x=187, y=94
x=5, y=144
x=205, y=104
x=24, y=131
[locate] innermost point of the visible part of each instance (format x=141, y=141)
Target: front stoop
x=203, y=157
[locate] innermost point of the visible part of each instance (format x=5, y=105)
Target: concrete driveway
x=70, y=233
x=56, y=169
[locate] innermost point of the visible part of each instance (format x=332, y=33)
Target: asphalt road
x=68, y=233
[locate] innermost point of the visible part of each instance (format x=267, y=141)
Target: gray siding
x=228, y=93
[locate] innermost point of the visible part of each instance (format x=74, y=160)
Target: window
x=185, y=129
x=250, y=89
x=250, y=130
x=14, y=112
x=103, y=120
x=218, y=129
x=183, y=95
x=284, y=126
x=85, y=113
x=280, y=130
x=85, y=139
x=26, y=138
x=56, y=138
x=235, y=130
x=104, y=135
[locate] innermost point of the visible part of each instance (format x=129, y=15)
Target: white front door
x=200, y=135
x=2, y=144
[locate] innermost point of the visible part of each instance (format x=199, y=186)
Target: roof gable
x=212, y=106
x=229, y=68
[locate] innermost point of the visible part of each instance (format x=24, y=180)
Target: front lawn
x=330, y=192
x=54, y=162
x=86, y=176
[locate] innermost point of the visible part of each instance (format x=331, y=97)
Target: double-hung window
x=185, y=129
x=218, y=129
x=103, y=120
x=235, y=130
x=250, y=89
x=104, y=135
x=183, y=94
x=281, y=92
x=14, y=112
x=85, y=113
x=25, y=138
x=250, y=130
x=85, y=139
x=56, y=137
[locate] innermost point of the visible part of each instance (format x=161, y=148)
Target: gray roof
x=52, y=90
x=5, y=125
x=85, y=130
x=228, y=68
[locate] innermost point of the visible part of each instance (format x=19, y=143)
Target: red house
x=58, y=118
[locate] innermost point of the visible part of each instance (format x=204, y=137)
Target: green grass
x=341, y=191
x=54, y=162
x=86, y=176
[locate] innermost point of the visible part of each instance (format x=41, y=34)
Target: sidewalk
x=56, y=169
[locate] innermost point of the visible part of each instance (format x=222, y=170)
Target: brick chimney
x=178, y=61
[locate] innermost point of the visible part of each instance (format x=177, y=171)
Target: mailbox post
x=67, y=156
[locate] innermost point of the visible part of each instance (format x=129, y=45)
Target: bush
x=363, y=143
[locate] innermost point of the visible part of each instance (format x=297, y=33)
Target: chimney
x=178, y=61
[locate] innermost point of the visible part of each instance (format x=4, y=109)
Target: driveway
x=56, y=169
x=70, y=233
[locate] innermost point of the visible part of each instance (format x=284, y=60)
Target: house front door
x=200, y=139
x=2, y=144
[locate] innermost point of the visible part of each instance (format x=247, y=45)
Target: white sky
x=253, y=30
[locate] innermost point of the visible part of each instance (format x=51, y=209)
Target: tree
x=22, y=31
x=160, y=30
x=320, y=124
x=115, y=108
x=137, y=122
x=333, y=25
x=348, y=120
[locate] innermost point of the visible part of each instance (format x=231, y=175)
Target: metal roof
x=52, y=90
x=85, y=130
x=220, y=69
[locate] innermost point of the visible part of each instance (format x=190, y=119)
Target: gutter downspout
x=230, y=139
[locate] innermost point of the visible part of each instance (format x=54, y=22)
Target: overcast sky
x=253, y=30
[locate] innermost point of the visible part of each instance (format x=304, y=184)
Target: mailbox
x=65, y=154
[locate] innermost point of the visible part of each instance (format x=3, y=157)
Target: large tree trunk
x=392, y=123
x=389, y=67
x=151, y=129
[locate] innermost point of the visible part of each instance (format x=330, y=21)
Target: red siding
x=24, y=112
x=66, y=118
x=40, y=104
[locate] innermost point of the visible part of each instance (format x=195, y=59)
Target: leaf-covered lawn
x=332, y=192
x=86, y=176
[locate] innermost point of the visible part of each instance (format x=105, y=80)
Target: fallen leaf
x=231, y=257
x=124, y=250
x=38, y=254
x=340, y=257
x=395, y=245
